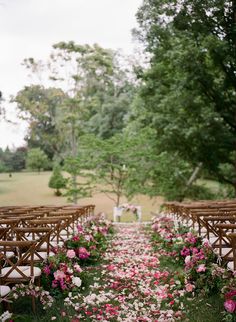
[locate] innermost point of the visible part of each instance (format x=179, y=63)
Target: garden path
x=129, y=285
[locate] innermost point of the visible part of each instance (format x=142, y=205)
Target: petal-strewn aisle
x=130, y=286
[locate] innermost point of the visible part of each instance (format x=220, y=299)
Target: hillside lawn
x=31, y=188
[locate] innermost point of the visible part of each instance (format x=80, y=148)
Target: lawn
x=31, y=188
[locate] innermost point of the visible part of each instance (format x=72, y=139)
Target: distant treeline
x=13, y=160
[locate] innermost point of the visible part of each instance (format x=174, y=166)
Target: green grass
x=31, y=188
x=206, y=309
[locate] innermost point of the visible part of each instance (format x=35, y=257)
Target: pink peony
x=70, y=253
x=59, y=275
x=187, y=259
x=47, y=270
x=80, y=229
x=201, y=268
x=230, y=306
x=83, y=253
x=54, y=283
x=189, y=287
x=230, y=294
x=78, y=268
x=185, y=251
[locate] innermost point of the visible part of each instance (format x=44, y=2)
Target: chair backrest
x=24, y=250
x=39, y=234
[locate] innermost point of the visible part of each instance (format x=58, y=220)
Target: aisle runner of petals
x=131, y=286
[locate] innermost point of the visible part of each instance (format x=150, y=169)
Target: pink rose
x=47, y=270
x=201, y=268
x=189, y=287
x=59, y=275
x=83, y=253
x=80, y=229
x=70, y=253
x=230, y=294
x=230, y=306
x=78, y=268
x=187, y=259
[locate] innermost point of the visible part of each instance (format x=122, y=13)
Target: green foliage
x=12, y=160
x=116, y=163
x=57, y=181
x=37, y=160
x=41, y=108
x=188, y=91
x=74, y=189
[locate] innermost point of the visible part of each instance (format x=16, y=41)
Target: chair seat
x=44, y=255
x=53, y=243
x=213, y=239
x=4, y=290
x=230, y=266
x=225, y=251
x=25, y=270
x=10, y=254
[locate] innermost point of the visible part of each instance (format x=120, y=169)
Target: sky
x=29, y=28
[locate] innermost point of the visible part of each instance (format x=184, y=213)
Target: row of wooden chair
x=214, y=220
x=28, y=236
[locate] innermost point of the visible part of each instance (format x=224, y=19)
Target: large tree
x=91, y=78
x=189, y=90
x=41, y=107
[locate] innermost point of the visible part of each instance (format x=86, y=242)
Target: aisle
x=130, y=287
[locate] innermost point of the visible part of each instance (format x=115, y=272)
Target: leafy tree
x=57, y=181
x=118, y=164
x=41, y=107
x=18, y=161
x=77, y=187
x=37, y=160
x=188, y=92
x=91, y=78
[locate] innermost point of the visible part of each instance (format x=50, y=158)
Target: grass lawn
x=31, y=188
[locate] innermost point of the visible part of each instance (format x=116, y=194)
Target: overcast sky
x=28, y=28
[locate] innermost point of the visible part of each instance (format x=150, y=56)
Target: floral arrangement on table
x=201, y=269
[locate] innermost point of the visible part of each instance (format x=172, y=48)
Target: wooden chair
x=232, y=238
x=13, y=272
x=42, y=237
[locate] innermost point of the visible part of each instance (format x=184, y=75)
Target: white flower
x=76, y=281
x=5, y=316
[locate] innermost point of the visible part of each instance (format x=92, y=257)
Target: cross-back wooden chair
x=68, y=221
x=16, y=271
x=211, y=224
x=224, y=229
x=232, y=238
x=54, y=223
x=42, y=237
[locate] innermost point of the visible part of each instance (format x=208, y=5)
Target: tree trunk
x=74, y=187
x=191, y=180
x=74, y=155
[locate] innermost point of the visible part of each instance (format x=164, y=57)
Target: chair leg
x=33, y=304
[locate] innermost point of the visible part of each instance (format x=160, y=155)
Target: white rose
x=76, y=281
